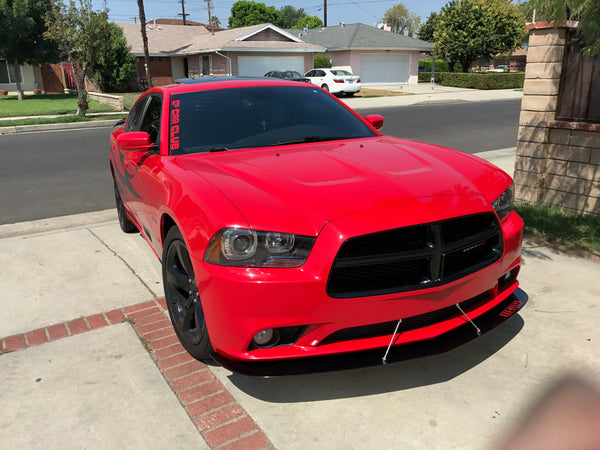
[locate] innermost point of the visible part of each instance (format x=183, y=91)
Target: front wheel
x=182, y=297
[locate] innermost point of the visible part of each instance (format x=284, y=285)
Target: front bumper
x=240, y=302
x=354, y=360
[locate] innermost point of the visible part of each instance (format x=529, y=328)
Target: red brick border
x=220, y=419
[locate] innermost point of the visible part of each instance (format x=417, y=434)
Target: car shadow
x=380, y=379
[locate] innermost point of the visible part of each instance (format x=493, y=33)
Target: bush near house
x=441, y=65
x=483, y=80
x=476, y=80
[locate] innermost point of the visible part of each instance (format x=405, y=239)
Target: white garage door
x=257, y=66
x=384, y=68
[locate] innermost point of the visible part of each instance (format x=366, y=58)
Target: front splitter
x=354, y=360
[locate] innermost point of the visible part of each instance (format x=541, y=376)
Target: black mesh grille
x=415, y=257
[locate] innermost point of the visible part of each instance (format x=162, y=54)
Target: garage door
x=257, y=66
x=384, y=68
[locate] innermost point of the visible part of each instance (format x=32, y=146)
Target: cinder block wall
x=557, y=163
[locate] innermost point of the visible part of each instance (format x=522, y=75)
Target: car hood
x=299, y=188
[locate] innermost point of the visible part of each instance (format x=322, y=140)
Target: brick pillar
x=538, y=108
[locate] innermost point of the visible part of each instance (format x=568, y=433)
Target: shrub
x=321, y=61
x=441, y=65
x=483, y=80
x=425, y=77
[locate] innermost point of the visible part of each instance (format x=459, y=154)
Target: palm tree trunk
x=145, y=42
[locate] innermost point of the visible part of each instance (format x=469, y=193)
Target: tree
x=468, y=30
x=83, y=38
x=308, y=21
x=116, y=69
x=214, y=21
x=245, y=13
x=587, y=12
x=22, y=26
x=427, y=30
x=401, y=19
x=290, y=16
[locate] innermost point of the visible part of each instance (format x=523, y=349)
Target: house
x=377, y=56
x=29, y=76
x=178, y=51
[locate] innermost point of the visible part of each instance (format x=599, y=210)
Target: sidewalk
x=92, y=361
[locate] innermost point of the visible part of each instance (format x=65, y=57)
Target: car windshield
x=257, y=116
x=292, y=74
x=340, y=73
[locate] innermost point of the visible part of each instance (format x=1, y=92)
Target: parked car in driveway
x=335, y=81
x=500, y=68
x=292, y=75
x=295, y=237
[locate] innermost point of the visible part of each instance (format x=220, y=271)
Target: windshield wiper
x=218, y=149
x=309, y=139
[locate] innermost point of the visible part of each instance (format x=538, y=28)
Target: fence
x=579, y=92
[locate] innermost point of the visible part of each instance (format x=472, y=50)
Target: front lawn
x=49, y=104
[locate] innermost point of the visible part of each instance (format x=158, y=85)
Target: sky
x=348, y=11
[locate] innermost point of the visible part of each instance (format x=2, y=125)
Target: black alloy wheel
x=183, y=299
x=126, y=225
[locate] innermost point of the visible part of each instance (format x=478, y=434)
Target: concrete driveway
x=90, y=359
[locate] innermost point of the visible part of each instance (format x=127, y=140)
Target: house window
x=8, y=74
x=205, y=65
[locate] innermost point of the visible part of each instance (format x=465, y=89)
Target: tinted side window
x=321, y=73
x=133, y=119
x=151, y=121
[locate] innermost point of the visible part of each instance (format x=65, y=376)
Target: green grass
x=40, y=105
x=62, y=119
x=129, y=98
x=576, y=232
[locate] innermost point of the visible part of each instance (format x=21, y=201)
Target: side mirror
x=375, y=120
x=134, y=141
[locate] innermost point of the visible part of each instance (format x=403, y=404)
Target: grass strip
x=574, y=231
x=46, y=104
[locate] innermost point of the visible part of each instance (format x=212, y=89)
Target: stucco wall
x=28, y=80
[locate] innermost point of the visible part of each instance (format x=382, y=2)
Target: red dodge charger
x=294, y=237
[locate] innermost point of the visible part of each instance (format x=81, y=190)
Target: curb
x=58, y=126
x=220, y=419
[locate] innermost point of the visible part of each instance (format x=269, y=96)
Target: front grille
x=408, y=323
x=416, y=257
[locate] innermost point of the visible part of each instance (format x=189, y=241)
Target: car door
x=145, y=179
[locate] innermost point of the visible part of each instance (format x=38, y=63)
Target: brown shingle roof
x=165, y=40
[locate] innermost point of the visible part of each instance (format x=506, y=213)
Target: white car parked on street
x=335, y=80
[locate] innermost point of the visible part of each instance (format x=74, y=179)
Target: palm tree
x=145, y=41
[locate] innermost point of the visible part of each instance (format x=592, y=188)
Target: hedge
x=483, y=80
x=490, y=80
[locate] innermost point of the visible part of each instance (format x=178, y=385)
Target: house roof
x=167, y=40
x=358, y=36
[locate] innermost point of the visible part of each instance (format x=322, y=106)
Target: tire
x=182, y=297
x=325, y=87
x=350, y=94
x=126, y=225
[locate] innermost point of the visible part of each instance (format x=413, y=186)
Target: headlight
x=503, y=205
x=249, y=248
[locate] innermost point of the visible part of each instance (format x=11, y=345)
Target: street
x=48, y=174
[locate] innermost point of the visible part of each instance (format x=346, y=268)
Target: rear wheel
x=126, y=225
x=183, y=299
x=325, y=87
x=349, y=94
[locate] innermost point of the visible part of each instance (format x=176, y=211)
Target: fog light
x=263, y=337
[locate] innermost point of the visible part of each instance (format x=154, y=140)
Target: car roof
x=208, y=83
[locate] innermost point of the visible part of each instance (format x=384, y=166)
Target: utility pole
x=145, y=42
x=209, y=16
x=182, y=13
x=325, y=12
